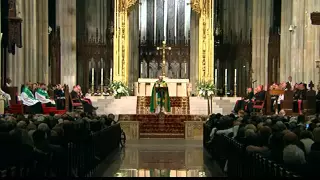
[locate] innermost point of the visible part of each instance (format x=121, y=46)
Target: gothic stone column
x=260, y=38
x=66, y=19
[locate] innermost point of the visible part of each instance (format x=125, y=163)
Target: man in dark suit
x=259, y=97
x=88, y=108
x=289, y=85
x=240, y=104
x=59, y=97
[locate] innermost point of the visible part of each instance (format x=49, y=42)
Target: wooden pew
x=67, y=97
x=309, y=105
x=287, y=103
x=13, y=91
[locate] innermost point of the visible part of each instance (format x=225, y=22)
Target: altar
x=176, y=87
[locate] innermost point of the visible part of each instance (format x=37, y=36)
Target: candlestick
x=235, y=76
x=101, y=76
x=111, y=77
x=216, y=77
x=235, y=83
x=92, y=79
x=226, y=83
x=141, y=67
x=185, y=68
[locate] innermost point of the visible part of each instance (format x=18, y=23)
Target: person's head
x=34, y=86
x=160, y=78
x=43, y=127
x=76, y=89
x=316, y=134
x=282, y=113
x=43, y=86
x=306, y=135
x=241, y=113
x=8, y=81
x=290, y=78
x=290, y=138
x=249, y=90
x=28, y=85
x=259, y=88
x=58, y=86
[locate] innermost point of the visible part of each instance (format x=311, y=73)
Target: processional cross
x=164, y=48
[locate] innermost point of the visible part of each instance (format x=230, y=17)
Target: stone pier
x=66, y=19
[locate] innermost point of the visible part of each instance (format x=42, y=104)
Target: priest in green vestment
x=156, y=101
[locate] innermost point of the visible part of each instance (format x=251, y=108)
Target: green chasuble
x=155, y=98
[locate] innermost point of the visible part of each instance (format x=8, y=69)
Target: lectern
x=161, y=95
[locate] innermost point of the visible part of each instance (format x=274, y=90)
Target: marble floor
x=160, y=158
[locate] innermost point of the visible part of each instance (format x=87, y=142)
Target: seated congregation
x=37, y=98
x=69, y=145
x=256, y=145
x=293, y=100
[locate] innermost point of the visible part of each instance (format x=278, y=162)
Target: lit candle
x=215, y=77
x=111, y=74
x=92, y=76
x=141, y=67
x=235, y=76
x=101, y=76
x=226, y=76
x=185, y=68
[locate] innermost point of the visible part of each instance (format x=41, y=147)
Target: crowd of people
x=44, y=134
x=258, y=95
x=291, y=141
x=35, y=95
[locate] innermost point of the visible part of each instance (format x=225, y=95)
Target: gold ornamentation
x=206, y=58
x=121, y=40
x=196, y=5
x=126, y=4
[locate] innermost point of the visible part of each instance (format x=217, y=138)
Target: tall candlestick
x=235, y=76
x=185, y=68
x=226, y=76
x=235, y=83
x=92, y=76
x=111, y=77
x=101, y=76
x=141, y=67
x=226, y=83
x=216, y=77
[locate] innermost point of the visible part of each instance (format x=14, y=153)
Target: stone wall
x=30, y=63
x=299, y=47
x=66, y=19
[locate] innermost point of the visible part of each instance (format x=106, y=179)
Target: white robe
x=7, y=96
x=43, y=99
x=27, y=101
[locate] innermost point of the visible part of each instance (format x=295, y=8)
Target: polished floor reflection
x=160, y=158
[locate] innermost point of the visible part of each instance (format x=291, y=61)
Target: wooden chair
x=75, y=106
x=259, y=105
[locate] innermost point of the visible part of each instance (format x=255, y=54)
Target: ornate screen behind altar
x=164, y=20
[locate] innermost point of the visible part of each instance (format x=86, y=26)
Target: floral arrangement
x=119, y=89
x=206, y=88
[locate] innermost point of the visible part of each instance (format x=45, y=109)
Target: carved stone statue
x=153, y=69
x=175, y=66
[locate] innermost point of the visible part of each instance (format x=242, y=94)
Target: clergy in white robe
x=6, y=96
x=28, y=99
x=43, y=97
